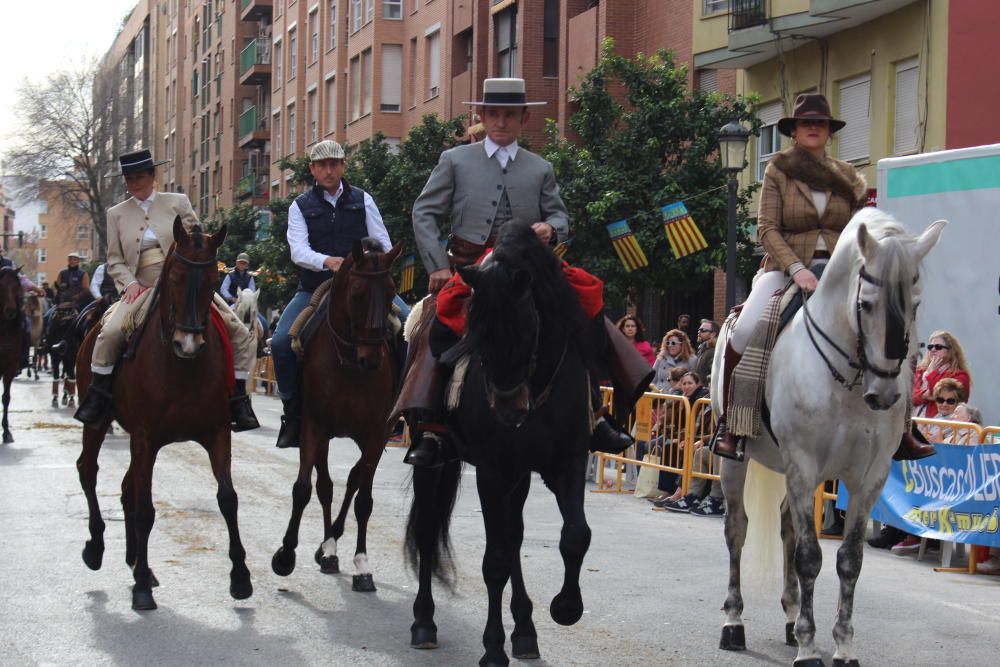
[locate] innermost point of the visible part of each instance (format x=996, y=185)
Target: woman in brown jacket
x=807, y=199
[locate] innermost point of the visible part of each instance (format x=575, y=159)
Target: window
x=366, y=82
x=276, y=127
x=355, y=15
x=907, y=117
x=434, y=65
x=369, y=10
x=550, y=46
x=390, y=98
x=506, y=42
x=82, y=232
x=293, y=53
x=84, y=254
x=312, y=99
x=412, y=78
x=708, y=80
x=203, y=192
x=333, y=24
x=291, y=128
x=355, y=83
x=41, y=277
x=42, y=256
x=279, y=7
x=769, y=140
x=855, y=98
x=279, y=62
x=714, y=7
x=331, y=105
x=392, y=9
x=43, y=230
x=314, y=36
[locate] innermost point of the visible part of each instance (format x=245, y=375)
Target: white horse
x=836, y=390
x=246, y=310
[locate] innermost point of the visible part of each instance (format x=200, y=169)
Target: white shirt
x=149, y=239
x=298, y=234
x=96, y=280
x=820, y=200
x=503, y=153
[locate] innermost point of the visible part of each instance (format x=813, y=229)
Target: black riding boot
x=241, y=413
x=95, y=408
x=288, y=436
x=607, y=437
x=430, y=448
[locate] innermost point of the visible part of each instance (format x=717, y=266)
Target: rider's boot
x=913, y=446
x=95, y=408
x=291, y=420
x=726, y=444
x=241, y=413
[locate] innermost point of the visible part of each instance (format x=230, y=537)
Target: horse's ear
x=219, y=236
x=179, y=232
x=393, y=253
x=930, y=237
x=522, y=281
x=470, y=274
x=866, y=242
x=18, y=269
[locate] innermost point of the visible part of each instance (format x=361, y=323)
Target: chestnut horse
x=348, y=388
x=175, y=387
x=11, y=336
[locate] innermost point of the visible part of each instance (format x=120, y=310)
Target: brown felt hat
x=809, y=106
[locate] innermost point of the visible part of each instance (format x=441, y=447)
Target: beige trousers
x=122, y=319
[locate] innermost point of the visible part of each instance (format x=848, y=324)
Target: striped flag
x=683, y=235
x=407, y=274
x=563, y=247
x=626, y=245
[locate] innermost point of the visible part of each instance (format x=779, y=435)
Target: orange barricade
x=950, y=432
x=698, y=461
x=823, y=495
x=263, y=376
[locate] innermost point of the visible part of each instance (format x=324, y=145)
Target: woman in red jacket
x=635, y=331
x=944, y=359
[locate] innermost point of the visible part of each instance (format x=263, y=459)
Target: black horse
x=524, y=407
x=61, y=341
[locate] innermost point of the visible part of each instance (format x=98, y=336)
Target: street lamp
x=733, y=138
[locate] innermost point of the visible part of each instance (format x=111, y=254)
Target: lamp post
x=733, y=138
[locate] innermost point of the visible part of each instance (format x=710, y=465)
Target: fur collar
x=824, y=174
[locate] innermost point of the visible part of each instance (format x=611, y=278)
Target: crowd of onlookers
x=942, y=386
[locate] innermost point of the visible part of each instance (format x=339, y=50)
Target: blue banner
x=953, y=495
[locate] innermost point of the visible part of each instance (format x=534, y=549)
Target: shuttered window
x=708, y=80
x=855, y=103
x=907, y=117
x=769, y=140
x=392, y=77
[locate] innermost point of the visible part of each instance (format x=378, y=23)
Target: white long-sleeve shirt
x=298, y=234
x=96, y=280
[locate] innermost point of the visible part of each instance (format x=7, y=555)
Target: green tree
x=645, y=140
x=241, y=223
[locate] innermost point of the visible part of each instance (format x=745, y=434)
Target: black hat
x=136, y=161
x=809, y=106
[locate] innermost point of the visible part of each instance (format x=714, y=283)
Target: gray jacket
x=466, y=184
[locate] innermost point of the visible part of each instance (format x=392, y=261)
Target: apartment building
x=64, y=226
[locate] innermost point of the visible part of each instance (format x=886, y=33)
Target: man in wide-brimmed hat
x=483, y=186
x=140, y=231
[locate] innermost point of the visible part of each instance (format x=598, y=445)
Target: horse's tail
x=427, y=529
x=761, y=560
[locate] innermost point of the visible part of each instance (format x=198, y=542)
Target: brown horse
x=172, y=389
x=11, y=336
x=34, y=310
x=349, y=382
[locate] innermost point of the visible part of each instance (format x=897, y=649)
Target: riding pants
x=123, y=319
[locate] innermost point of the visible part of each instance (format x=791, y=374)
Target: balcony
x=254, y=132
x=252, y=185
x=251, y=10
x=255, y=63
x=747, y=14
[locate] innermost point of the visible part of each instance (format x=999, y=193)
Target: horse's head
x=187, y=286
x=886, y=286
x=367, y=283
x=10, y=293
x=246, y=307
x=505, y=325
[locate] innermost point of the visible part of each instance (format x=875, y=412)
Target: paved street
x=653, y=582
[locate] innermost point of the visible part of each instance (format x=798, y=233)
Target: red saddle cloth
x=227, y=346
x=453, y=299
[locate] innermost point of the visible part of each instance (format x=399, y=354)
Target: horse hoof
x=240, y=587
x=329, y=565
x=7, y=438
x=486, y=662
x=72, y=402
x=566, y=609
x=525, y=648
x=423, y=638
x=55, y=402
x=809, y=662
x=143, y=601
x=363, y=583
x=733, y=638
x=790, y=639
x=93, y=555
x=283, y=562
x=840, y=662
x=318, y=556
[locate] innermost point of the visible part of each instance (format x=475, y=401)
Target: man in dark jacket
x=708, y=333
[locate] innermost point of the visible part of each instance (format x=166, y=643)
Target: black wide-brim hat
x=136, y=161
x=809, y=106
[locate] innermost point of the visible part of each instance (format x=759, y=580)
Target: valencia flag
x=406, y=275
x=683, y=235
x=563, y=247
x=626, y=245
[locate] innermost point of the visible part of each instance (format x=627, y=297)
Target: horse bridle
x=376, y=320
x=863, y=364
x=192, y=291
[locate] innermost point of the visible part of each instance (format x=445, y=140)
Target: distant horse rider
x=237, y=280
x=72, y=281
x=140, y=233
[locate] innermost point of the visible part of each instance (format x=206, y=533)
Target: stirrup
x=718, y=437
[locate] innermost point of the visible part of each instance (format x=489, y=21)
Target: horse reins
x=376, y=319
x=862, y=365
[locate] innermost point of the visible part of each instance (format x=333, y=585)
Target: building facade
x=64, y=226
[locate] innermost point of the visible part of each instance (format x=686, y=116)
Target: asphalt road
x=653, y=582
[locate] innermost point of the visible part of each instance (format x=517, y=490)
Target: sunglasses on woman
x=672, y=343
x=934, y=347
x=949, y=401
